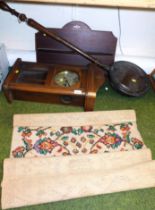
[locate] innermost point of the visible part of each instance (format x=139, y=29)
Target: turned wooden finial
x=5, y=7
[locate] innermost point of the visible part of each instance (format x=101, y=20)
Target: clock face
x=66, y=78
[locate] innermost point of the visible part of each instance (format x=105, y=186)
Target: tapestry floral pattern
x=90, y=139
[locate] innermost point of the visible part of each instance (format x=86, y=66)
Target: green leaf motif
x=112, y=128
x=90, y=136
x=138, y=146
x=40, y=132
x=20, y=129
x=43, y=152
x=64, y=138
x=27, y=130
x=74, y=131
x=130, y=123
x=122, y=125
x=80, y=131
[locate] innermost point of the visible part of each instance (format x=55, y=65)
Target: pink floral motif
x=124, y=127
x=73, y=140
x=66, y=129
x=76, y=140
x=86, y=128
x=44, y=146
x=18, y=152
x=110, y=139
x=26, y=134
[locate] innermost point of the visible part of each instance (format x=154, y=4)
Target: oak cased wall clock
x=60, y=84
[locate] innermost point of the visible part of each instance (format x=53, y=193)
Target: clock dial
x=66, y=78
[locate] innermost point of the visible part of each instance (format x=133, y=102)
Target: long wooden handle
x=39, y=27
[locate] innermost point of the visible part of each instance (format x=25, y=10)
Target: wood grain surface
x=147, y=4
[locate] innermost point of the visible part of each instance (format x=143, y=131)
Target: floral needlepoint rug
x=72, y=155
x=51, y=140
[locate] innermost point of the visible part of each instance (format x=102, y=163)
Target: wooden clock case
x=35, y=81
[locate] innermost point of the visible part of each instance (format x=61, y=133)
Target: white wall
x=137, y=35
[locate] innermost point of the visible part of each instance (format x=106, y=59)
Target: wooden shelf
x=146, y=4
